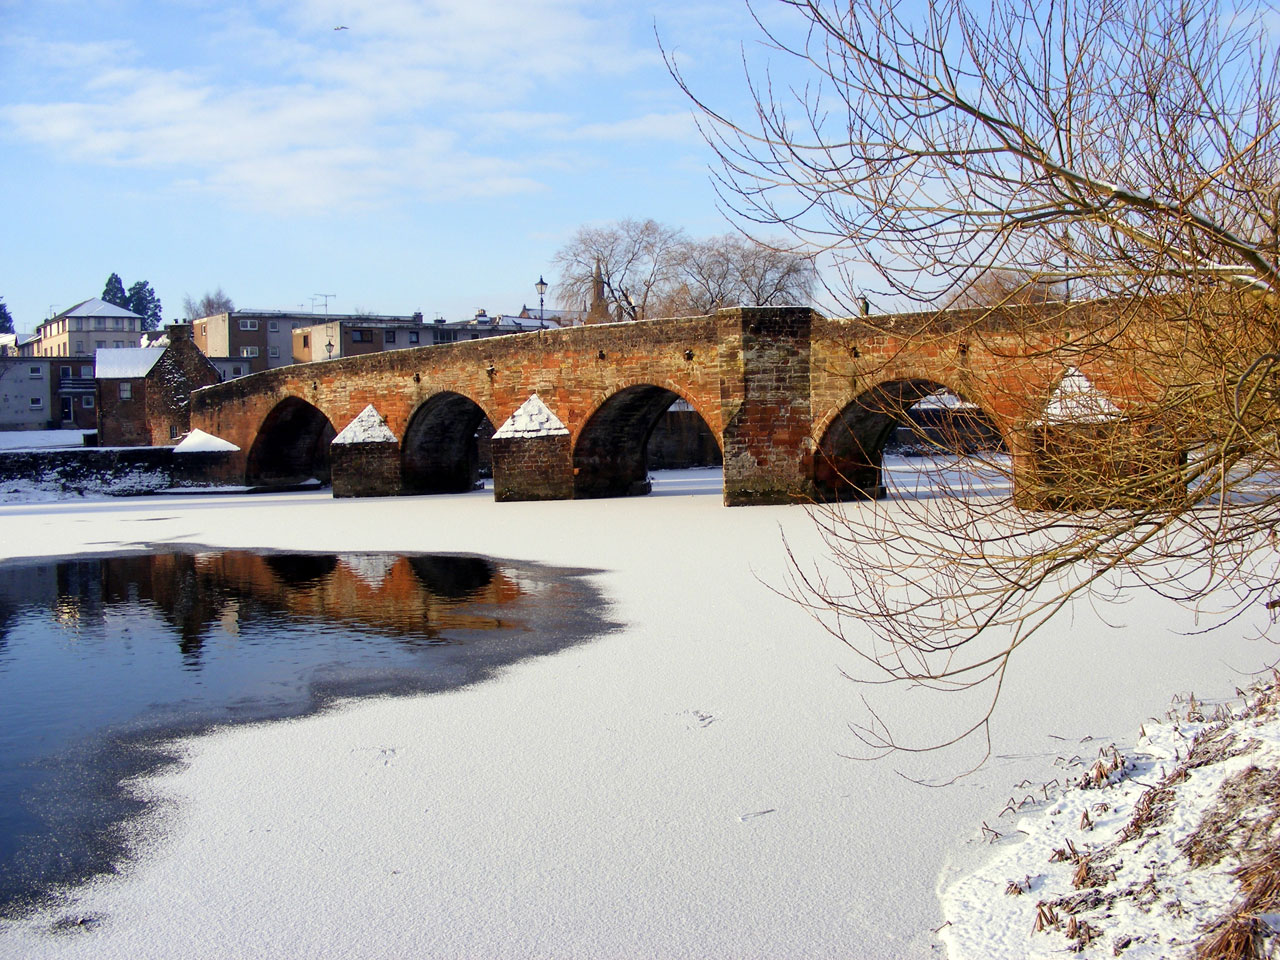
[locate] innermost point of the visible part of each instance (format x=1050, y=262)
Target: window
x=413, y=336
x=86, y=370
x=273, y=326
x=248, y=324
x=273, y=352
x=126, y=390
x=79, y=347
x=173, y=431
x=119, y=344
x=249, y=352
x=237, y=371
x=34, y=372
x=119, y=323
x=87, y=403
x=99, y=323
x=362, y=336
x=37, y=403
x=75, y=323
x=100, y=344
x=389, y=336
x=66, y=373
x=306, y=341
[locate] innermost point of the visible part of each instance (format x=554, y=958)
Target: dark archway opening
x=445, y=448
x=907, y=416
x=611, y=458
x=292, y=446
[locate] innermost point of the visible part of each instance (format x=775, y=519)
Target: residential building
x=89, y=326
x=144, y=395
x=270, y=338
x=43, y=393
x=330, y=337
x=26, y=394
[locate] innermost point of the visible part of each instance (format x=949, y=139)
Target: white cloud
x=286, y=112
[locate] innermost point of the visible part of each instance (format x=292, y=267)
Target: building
x=144, y=395
x=26, y=394
x=89, y=326
x=270, y=338
x=333, y=336
x=500, y=325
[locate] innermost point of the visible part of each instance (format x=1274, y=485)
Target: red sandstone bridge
x=801, y=405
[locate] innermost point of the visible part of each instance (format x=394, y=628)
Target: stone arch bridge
x=801, y=405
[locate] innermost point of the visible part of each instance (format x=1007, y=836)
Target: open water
x=105, y=661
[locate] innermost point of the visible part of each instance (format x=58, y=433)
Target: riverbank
x=672, y=789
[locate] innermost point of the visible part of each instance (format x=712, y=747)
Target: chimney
x=178, y=331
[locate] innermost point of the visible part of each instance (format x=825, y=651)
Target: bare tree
x=211, y=304
x=731, y=270
x=647, y=269
x=634, y=261
x=1124, y=154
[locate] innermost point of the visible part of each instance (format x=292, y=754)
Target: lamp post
x=328, y=348
x=541, y=287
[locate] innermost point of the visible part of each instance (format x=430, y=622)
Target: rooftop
x=125, y=363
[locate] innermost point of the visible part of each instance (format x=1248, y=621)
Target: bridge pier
x=1114, y=464
x=532, y=468
x=765, y=389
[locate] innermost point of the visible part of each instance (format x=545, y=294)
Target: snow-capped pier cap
x=533, y=419
x=368, y=427
x=1077, y=400
x=197, y=441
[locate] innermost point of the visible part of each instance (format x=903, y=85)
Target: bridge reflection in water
x=104, y=661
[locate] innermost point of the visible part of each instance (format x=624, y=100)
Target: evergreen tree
x=143, y=301
x=6, y=320
x=113, y=292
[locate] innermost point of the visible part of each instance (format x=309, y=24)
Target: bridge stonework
x=800, y=404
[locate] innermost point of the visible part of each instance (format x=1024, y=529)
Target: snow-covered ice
x=675, y=788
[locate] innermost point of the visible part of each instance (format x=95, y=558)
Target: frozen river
x=678, y=787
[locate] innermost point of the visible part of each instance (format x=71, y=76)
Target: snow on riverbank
x=1139, y=853
x=674, y=788
x=41, y=439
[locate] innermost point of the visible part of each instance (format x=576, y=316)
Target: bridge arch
x=291, y=445
x=610, y=455
x=440, y=452
x=849, y=462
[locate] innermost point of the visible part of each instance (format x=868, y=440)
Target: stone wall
x=365, y=469
x=532, y=468
x=118, y=472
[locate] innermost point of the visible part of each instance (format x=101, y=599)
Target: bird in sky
x=340, y=28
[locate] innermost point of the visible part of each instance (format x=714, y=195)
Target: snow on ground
x=675, y=788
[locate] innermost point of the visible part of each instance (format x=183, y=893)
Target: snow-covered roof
x=124, y=363
x=96, y=308
x=368, y=427
x=197, y=441
x=1077, y=400
x=533, y=419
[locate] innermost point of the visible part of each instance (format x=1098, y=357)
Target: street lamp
x=541, y=287
x=328, y=348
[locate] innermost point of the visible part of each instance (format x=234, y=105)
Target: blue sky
x=433, y=156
